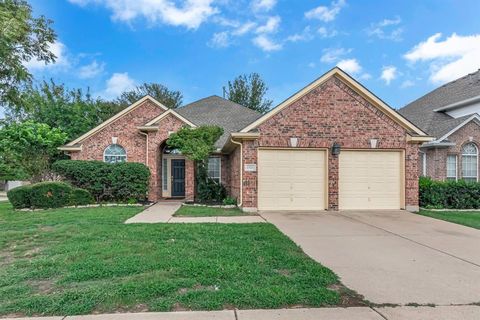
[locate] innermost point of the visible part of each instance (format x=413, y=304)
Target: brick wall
x=332, y=112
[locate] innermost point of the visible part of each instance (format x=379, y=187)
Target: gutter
x=458, y=104
x=241, y=171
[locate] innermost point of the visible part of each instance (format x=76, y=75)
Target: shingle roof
x=221, y=112
x=421, y=113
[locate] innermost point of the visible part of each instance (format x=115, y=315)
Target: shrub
x=230, y=201
x=106, y=182
x=449, y=194
x=20, y=197
x=81, y=197
x=50, y=195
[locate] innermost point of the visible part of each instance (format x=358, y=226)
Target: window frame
x=114, y=155
x=219, y=159
x=455, y=178
x=470, y=155
x=424, y=163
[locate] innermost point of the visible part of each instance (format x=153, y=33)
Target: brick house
x=450, y=114
x=332, y=145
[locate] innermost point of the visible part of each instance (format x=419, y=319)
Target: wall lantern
x=336, y=149
x=373, y=143
x=293, y=142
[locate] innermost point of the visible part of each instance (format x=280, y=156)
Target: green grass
x=466, y=218
x=197, y=211
x=81, y=261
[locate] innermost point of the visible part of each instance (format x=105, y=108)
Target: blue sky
x=400, y=50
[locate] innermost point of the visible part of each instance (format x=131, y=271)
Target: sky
x=400, y=50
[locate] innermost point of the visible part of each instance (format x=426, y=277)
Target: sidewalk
x=356, y=313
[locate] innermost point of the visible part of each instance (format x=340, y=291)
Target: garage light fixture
x=373, y=143
x=293, y=142
x=336, y=149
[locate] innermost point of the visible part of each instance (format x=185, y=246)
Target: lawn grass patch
x=81, y=261
x=466, y=218
x=201, y=211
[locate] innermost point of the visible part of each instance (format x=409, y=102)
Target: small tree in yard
x=197, y=144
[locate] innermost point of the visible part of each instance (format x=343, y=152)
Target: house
x=450, y=114
x=332, y=145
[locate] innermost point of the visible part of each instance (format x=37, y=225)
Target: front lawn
x=198, y=211
x=81, y=261
x=466, y=218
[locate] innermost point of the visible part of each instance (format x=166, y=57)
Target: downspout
x=146, y=149
x=241, y=171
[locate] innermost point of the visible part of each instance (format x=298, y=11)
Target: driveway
x=391, y=256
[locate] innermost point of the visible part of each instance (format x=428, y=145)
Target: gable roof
x=425, y=111
x=221, y=112
x=163, y=115
x=113, y=118
x=364, y=92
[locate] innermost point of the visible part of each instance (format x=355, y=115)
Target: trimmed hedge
x=121, y=182
x=48, y=195
x=449, y=194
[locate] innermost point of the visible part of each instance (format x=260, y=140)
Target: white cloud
x=407, y=84
x=266, y=44
x=305, y=35
x=365, y=76
x=325, y=33
x=244, y=28
x=91, y=70
x=61, y=61
x=324, y=13
x=117, y=84
x=220, y=40
x=389, y=73
x=271, y=26
x=263, y=5
x=191, y=14
x=449, y=59
x=386, y=29
x=331, y=55
x=350, y=66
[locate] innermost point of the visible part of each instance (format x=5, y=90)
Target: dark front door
x=178, y=177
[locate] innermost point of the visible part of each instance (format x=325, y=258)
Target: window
x=423, y=158
x=451, y=167
x=470, y=162
x=114, y=153
x=214, y=168
x=165, y=174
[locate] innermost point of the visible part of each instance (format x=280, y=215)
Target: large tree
x=22, y=38
x=28, y=148
x=70, y=110
x=170, y=98
x=249, y=91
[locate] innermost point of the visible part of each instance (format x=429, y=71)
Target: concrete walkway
x=391, y=256
x=162, y=212
x=359, y=313
x=3, y=196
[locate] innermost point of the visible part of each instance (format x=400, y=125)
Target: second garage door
x=291, y=179
x=370, y=180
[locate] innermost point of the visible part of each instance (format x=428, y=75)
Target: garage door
x=370, y=180
x=291, y=180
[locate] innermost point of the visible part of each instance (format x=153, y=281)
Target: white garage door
x=291, y=180
x=370, y=180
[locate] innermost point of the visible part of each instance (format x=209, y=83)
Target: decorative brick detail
x=330, y=113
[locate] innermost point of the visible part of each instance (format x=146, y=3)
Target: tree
x=249, y=91
x=69, y=110
x=170, y=98
x=22, y=38
x=27, y=149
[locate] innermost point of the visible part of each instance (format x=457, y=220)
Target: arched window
x=114, y=153
x=470, y=162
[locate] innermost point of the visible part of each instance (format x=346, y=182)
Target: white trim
x=474, y=116
x=456, y=166
x=424, y=163
x=219, y=168
x=458, y=104
x=113, y=144
x=470, y=155
x=340, y=74
x=115, y=117
x=172, y=112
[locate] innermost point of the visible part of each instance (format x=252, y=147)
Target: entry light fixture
x=336, y=148
x=293, y=142
x=373, y=143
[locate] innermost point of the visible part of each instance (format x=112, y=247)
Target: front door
x=178, y=177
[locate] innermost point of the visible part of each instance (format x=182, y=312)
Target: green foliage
x=50, y=195
x=449, y=194
x=230, y=201
x=249, y=91
x=81, y=197
x=105, y=181
x=70, y=110
x=169, y=98
x=196, y=144
x=22, y=38
x=27, y=148
x=20, y=197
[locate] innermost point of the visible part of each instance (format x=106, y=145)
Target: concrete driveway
x=391, y=256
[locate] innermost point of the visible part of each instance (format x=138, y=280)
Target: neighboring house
x=450, y=114
x=332, y=145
